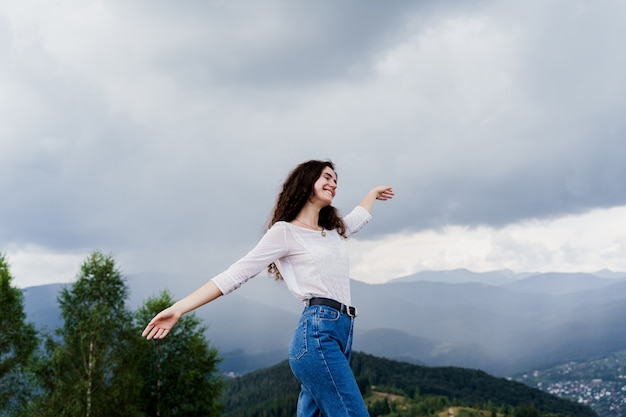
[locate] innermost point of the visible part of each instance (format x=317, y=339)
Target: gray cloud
x=280, y=45
x=167, y=128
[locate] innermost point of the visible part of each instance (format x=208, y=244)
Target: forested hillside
x=414, y=391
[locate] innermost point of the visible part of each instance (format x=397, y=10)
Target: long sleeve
x=356, y=219
x=270, y=248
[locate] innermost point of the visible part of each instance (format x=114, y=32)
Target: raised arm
x=382, y=193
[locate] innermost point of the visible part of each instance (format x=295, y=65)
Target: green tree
x=379, y=408
x=18, y=341
x=180, y=370
x=92, y=371
x=526, y=411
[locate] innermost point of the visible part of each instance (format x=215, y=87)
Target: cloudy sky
x=160, y=132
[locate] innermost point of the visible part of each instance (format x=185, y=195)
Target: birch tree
x=92, y=371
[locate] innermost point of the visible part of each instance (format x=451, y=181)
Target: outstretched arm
x=163, y=322
x=268, y=249
x=382, y=192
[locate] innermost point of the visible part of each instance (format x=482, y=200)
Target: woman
x=305, y=246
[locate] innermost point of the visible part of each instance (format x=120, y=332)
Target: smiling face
x=325, y=187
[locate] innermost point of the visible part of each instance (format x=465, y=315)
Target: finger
x=161, y=333
x=152, y=333
x=147, y=330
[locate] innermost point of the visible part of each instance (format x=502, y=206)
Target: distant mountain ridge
x=464, y=276
x=515, y=325
x=546, y=282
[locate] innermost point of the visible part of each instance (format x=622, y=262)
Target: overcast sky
x=160, y=131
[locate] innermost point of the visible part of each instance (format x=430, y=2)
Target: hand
x=383, y=192
x=161, y=324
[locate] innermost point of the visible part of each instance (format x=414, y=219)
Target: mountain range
x=499, y=321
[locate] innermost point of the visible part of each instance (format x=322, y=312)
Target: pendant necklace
x=311, y=227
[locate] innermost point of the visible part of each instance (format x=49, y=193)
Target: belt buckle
x=351, y=311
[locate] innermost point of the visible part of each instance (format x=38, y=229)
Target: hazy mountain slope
x=494, y=328
x=41, y=307
x=560, y=283
x=246, y=324
x=397, y=345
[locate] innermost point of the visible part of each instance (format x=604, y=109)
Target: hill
x=273, y=392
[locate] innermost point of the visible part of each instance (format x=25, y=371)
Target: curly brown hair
x=296, y=191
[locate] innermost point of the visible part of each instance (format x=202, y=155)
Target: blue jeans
x=319, y=356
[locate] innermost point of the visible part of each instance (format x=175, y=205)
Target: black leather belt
x=319, y=301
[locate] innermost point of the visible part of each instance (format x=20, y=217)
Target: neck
x=309, y=214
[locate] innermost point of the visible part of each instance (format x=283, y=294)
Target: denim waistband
x=321, y=301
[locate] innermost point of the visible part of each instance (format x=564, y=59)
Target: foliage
x=17, y=345
x=91, y=370
x=466, y=385
x=267, y=392
x=97, y=363
x=412, y=391
x=179, y=371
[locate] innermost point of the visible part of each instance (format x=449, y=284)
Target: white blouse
x=312, y=265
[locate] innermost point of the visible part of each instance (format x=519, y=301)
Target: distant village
x=600, y=384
